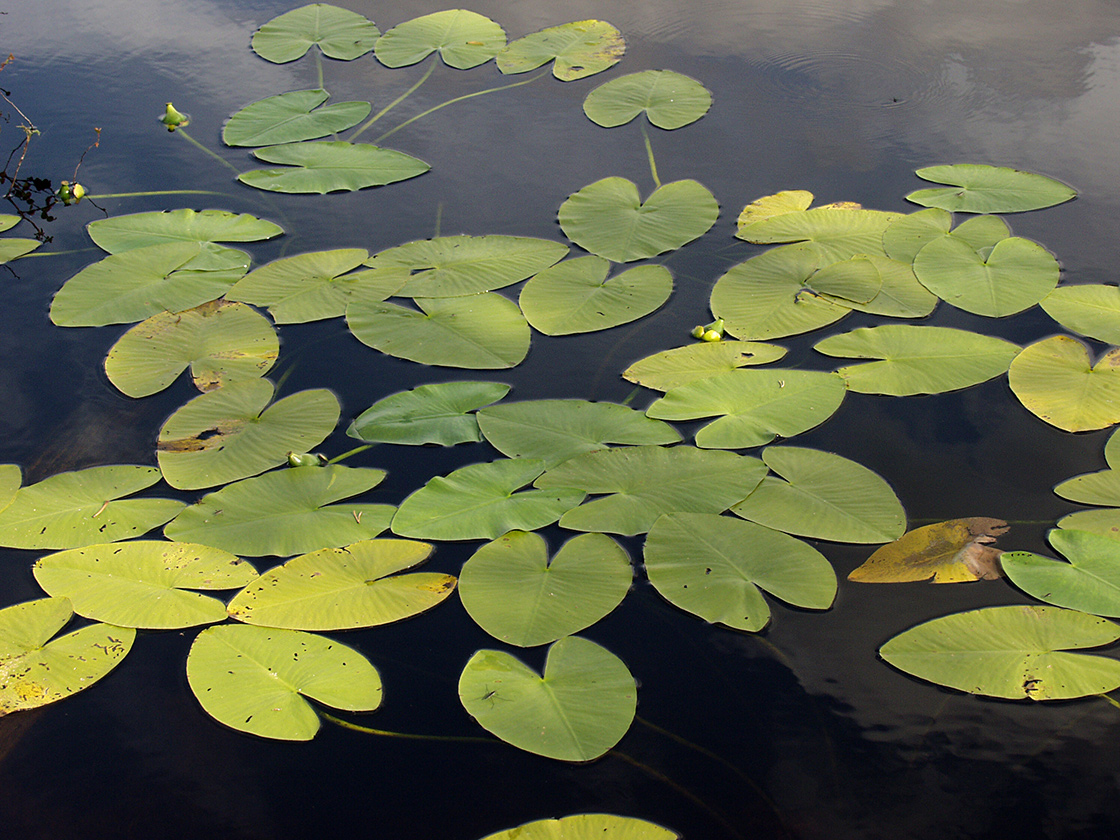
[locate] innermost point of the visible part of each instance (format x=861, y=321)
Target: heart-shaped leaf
x=672, y=368
x=440, y=413
x=1089, y=582
x=323, y=166
x=907, y=235
x=955, y=551
x=291, y=117
x=979, y=188
x=1099, y=488
x=339, y=33
x=579, y=49
x=464, y=40
x=670, y=100
x=1057, y=381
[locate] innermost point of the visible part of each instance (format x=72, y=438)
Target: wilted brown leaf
x=954, y=551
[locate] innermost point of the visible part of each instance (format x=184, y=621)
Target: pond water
x=800, y=731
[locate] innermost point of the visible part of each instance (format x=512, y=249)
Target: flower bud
x=306, y=459
x=174, y=119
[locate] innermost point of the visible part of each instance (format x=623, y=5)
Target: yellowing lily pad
x=955, y=551
x=1057, y=381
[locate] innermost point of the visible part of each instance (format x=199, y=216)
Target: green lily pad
x=644, y=482
x=907, y=235
x=137, y=230
x=609, y=218
x=479, y=502
x=291, y=117
x=11, y=248
x=1105, y=522
x=672, y=368
x=786, y=201
x=580, y=708
x=917, y=360
x=256, y=679
x=576, y=297
x=344, y=588
x=1056, y=380
x=72, y=509
x=852, y=281
x=754, y=406
x=556, y=430
x=453, y=266
x=587, y=827
x=670, y=100
x=10, y=480
x=8, y=221
x=898, y=293
x=956, y=551
x=35, y=671
x=286, y=512
x=1099, y=488
x=339, y=33
x=579, y=49
x=323, y=166
x=143, y=584
x=229, y=433
x=464, y=40
x=713, y=566
x=978, y=188
x=831, y=233
x=1010, y=652
x=439, y=413
x=1091, y=309
x=484, y=332
x=517, y=594
x=1089, y=582
x=823, y=496
x=221, y=342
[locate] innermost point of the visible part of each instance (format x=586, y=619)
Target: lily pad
x=644, y=482
x=85, y=507
x=907, y=235
x=464, y=40
x=1105, y=522
x=1089, y=582
x=339, y=33
x=979, y=188
x=323, y=166
x=580, y=708
x=829, y=232
x=291, y=117
x=587, y=827
x=898, y=292
x=714, y=566
x=520, y=596
x=1010, y=652
x=35, y=670
x=918, y=360
x=1090, y=309
x=221, y=342
x=556, y=430
x=12, y=249
x=1099, y=488
x=672, y=368
x=479, y=502
x=484, y=332
x=10, y=480
x=579, y=49
x=786, y=201
x=755, y=406
x=344, y=588
x=576, y=297
x=823, y=496
x=256, y=679
x=137, y=230
x=955, y=551
x=609, y=218
x=441, y=413
x=143, y=584
x=852, y=281
x=1057, y=381
x=670, y=100
x=229, y=433
x=286, y=512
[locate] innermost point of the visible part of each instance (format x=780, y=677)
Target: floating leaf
x=323, y=166
x=556, y=430
x=978, y=188
x=823, y=496
x=339, y=33
x=647, y=481
x=1104, y=522
x=142, y=584
x=576, y=711
x=786, y=201
x=1010, y=652
x=756, y=406
x=670, y=100
x=453, y=266
x=517, y=594
x=587, y=827
x=344, y=588
x=10, y=480
x=713, y=566
x=1057, y=381
x=917, y=360
x=681, y=365
x=855, y=280
x=829, y=232
x=898, y=294
x=11, y=249
x=955, y=551
x=1099, y=488
x=479, y=502
x=439, y=413
x=229, y=434
x=255, y=679
x=220, y=341
x=286, y=512
x=137, y=230
x=576, y=297
x=907, y=235
x=580, y=49
x=291, y=117
x=35, y=671
x=1090, y=309
x=609, y=218
x=464, y=40
x=484, y=332
x=1089, y=582
x=72, y=509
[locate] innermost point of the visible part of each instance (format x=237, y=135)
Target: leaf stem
x=649, y=153
x=353, y=451
x=210, y=152
x=393, y=104
x=1110, y=700
x=154, y=192
x=345, y=724
x=319, y=67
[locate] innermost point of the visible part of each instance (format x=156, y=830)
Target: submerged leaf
x=339, y=33
x=954, y=551
x=1089, y=582
x=291, y=117
x=323, y=166
x=580, y=49
x=672, y=368
x=464, y=40
x=1056, y=380
x=670, y=100
x=440, y=413
x=979, y=188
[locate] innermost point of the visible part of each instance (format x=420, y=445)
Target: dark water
x=799, y=732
